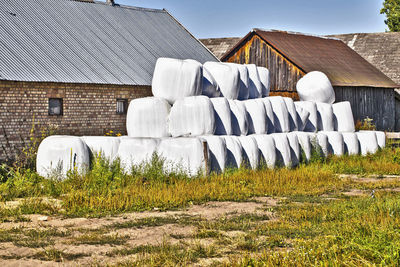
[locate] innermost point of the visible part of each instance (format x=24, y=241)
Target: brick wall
x=88, y=109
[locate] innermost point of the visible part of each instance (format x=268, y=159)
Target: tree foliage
x=391, y=8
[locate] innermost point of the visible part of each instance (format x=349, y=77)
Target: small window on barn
x=55, y=106
x=122, y=106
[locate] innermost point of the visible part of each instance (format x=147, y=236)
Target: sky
x=233, y=18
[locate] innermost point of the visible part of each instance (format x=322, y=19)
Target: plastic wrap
x=210, y=85
x=336, y=143
x=343, y=117
x=227, y=77
x=368, y=142
x=324, y=117
x=322, y=142
x=192, y=116
x=256, y=116
x=106, y=146
x=266, y=145
x=380, y=137
x=184, y=154
x=305, y=144
x=255, y=85
x=270, y=115
x=148, y=117
x=234, y=152
x=263, y=73
x=351, y=145
x=281, y=114
x=283, y=150
x=218, y=152
x=240, y=124
x=250, y=150
x=136, y=151
x=244, y=80
x=311, y=107
x=294, y=148
x=293, y=125
x=222, y=114
x=302, y=117
x=59, y=154
x=174, y=79
x=315, y=86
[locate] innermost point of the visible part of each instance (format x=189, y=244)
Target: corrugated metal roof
x=340, y=63
x=77, y=42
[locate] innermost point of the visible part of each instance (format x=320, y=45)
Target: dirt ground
x=38, y=240
x=155, y=233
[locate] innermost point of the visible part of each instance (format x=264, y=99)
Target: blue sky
x=227, y=18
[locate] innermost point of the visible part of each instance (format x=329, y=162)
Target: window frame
x=61, y=106
x=125, y=106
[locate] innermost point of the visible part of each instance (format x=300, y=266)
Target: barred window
x=55, y=106
x=122, y=106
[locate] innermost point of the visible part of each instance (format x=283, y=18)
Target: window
x=55, y=106
x=122, y=106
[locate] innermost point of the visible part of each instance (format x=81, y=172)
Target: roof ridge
x=118, y=5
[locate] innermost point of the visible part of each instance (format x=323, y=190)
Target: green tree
x=391, y=8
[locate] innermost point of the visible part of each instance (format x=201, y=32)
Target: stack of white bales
x=217, y=115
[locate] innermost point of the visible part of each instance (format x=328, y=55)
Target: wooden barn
x=381, y=49
x=289, y=56
x=75, y=65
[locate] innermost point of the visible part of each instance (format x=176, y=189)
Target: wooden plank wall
x=283, y=74
x=397, y=111
x=375, y=103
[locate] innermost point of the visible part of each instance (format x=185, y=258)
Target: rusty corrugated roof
x=340, y=63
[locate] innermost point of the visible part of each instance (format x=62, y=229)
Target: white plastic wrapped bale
x=305, y=144
x=106, y=146
x=380, y=137
x=270, y=115
x=281, y=114
x=294, y=148
x=263, y=73
x=266, y=145
x=136, y=151
x=255, y=85
x=250, y=150
x=234, y=152
x=312, y=121
x=240, y=124
x=343, y=117
x=210, y=85
x=322, y=142
x=256, y=116
x=336, y=143
x=148, y=117
x=302, y=117
x=244, y=80
x=368, y=142
x=174, y=79
x=223, y=118
x=325, y=117
x=192, y=116
x=293, y=125
x=227, y=78
x=185, y=154
x=315, y=86
x=59, y=154
x=218, y=153
x=283, y=151
x=351, y=145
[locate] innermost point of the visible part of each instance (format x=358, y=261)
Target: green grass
x=107, y=189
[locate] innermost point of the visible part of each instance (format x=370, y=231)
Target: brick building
x=77, y=64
